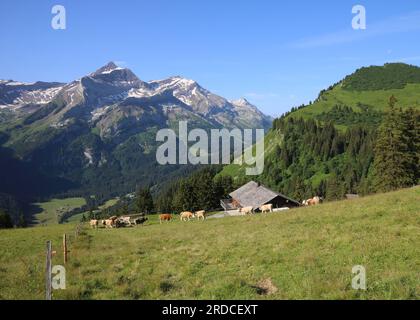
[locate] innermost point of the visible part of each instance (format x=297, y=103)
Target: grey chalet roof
x=255, y=195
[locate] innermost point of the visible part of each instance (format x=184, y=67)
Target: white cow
x=94, y=223
x=186, y=215
x=266, y=208
x=125, y=220
x=246, y=210
x=200, y=215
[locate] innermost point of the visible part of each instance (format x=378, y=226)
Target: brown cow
x=186, y=215
x=165, y=217
x=110, y=222
x=312, y=202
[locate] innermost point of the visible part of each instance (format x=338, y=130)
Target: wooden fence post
x=78, y=228
x=48, y=272
x=65, y=248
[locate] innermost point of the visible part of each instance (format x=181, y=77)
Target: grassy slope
x=52, y=208
x=78, y=217
x=307, y=253
x=378, y=100
x=271, y=139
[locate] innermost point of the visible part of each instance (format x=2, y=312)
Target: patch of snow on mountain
x=140, y=93
x=244, y=105
x=172, y=83
x=61, y=124
x=111, y=70
x=99, y=112
x=88, y=155
x=17, y=83
x=37, y=96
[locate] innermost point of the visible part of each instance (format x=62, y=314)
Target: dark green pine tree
x=22, y=221
x=299, y=187
x=321, y=189
x=416, y=144
x=5, y=220
x=164, y=202
x=144, y=201
x=184, y=197
x=392, y=167
x=334, y=188
x=223, y=186
x=203, y=190
x=411, y=122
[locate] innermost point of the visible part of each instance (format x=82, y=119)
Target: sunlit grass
x=307, y=253
x=378, y=100
x=54, y=208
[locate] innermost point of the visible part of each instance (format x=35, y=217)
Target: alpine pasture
x=305, y=253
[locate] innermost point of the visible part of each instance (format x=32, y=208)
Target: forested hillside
x=390, y=76
x=368, y=142
x=357, y=137
x=362, y=135
x=362, y=97
x=95, y=137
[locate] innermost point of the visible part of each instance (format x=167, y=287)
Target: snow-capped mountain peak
x=15, y=94
x=175, y=82
x=118, y=91
x=106, y=69
x=242, y=102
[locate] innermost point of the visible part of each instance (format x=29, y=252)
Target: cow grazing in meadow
x=312, y=202
x=125, y=221
x=165, y=217
x=200, y=215
x=110, y=222
x=94, y=223
x=186, y=216
x=247, y=210
x=140, y=221
x=266, y=208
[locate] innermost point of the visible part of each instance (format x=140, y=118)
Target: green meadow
x=51, y=210
x=305, y=253
x=376, y=99
x=78, y=217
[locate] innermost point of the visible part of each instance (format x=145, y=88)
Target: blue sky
x=277, y=54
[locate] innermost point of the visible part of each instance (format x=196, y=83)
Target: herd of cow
x=184, y=216
x=117, y=222
x=250, y=210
